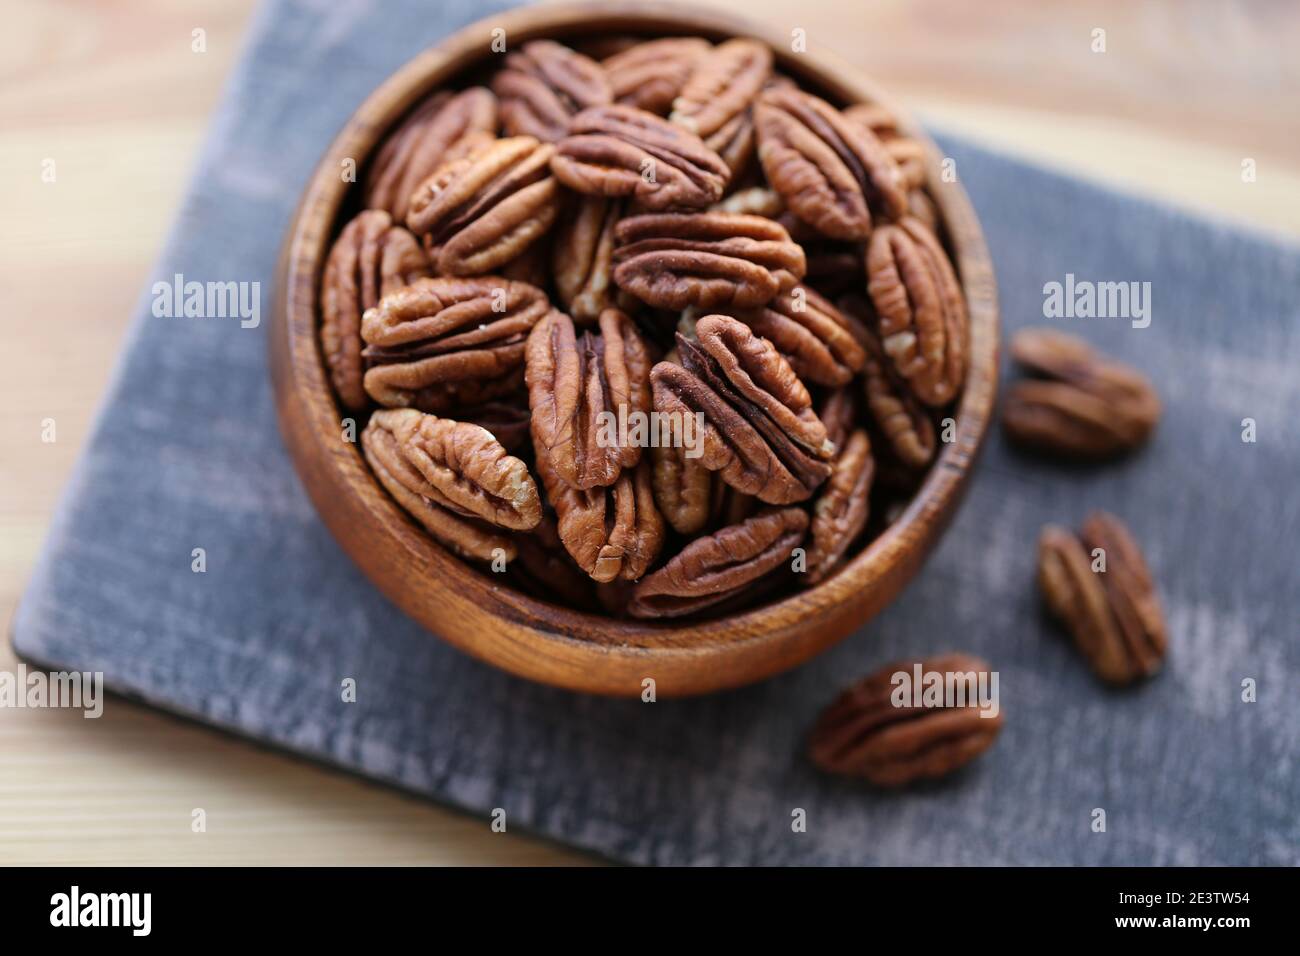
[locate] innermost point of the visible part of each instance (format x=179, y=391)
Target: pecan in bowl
x=570, y=370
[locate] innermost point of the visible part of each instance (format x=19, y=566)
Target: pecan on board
x=383, y=442
x=709, y=260
x=1084, y=406
x=370, y=258
x=543, y=85
x=1099, y=586
x=449, y=125
x=480, y=211
x=832, y=173
x=582, y=392
x=864, y=734
x=449, y=343
x=621, y=151
x=612, y=532
x=760, y=431
x=721, y=565
x=822, y=344
x=842, y=507
x=649, y=75
x=922, y=310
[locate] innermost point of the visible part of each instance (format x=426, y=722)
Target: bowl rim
x=299, y=371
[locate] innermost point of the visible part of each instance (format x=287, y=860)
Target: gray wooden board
x=186, y=454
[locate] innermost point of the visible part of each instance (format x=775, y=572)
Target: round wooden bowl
x=505, y=627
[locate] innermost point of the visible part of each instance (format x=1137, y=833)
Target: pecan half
x=1113, y=614
x=709, y=260
x=831, y=172
x=922, y=311
x=543, y=84
x=370, y=258
x=906, y=152
x=760, y=432
x=1086, y=406
x=583, y=257
x=507, y=421
x=649, y=75
x=903, y=421
x=717, y=567
x=753, y=201
x=611, y=532
x=444, y=128
x=863, y=734
x=821, y=343
x=448, y=342
x=471, y=471
x=841, y=510
x=723, y=85
x=480, y=211
x=623, y=151
x=384, y=444
x=580, y=388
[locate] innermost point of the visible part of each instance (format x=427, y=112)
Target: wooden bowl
x=529, y=637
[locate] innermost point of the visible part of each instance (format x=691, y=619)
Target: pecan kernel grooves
x=370, y=258
x=445, y=341
x=577, y=386
x=542, y=86
x=862, y=734
x=1114, y=614
x=921, y=308
x=831, y=173
x=708, y=260
x=446, y=127
x=720, y=566
x=621, y=151
x=480, y=211
x=1083, y=405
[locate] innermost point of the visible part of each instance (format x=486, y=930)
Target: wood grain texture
x=116, y=96
x=536, y=639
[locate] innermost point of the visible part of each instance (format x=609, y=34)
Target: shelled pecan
x=448, y=126
x=1084, y=406
x=863, y=734
x=583, y=257
x=611, y=532
x=922, y=311
x=480, y=211
x=621, y=151
x=842, y=507
x=544, y=568
x=714, y=568
x=543, y=84
x=708, y=260
x=716, y=101
x=385, y=442
x=508, y=421
x=831, y=172
x=906, y=152
x=1099, y=585
x=577, y=386
x=821, y=343
x=449, y=342
x=370, y=258
x=760, y=431
x=649, y=75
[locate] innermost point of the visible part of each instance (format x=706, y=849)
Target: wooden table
x=1183, y=94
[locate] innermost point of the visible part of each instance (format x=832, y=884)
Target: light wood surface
x=1185, y=92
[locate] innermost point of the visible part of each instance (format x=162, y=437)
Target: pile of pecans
x=649, y=327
